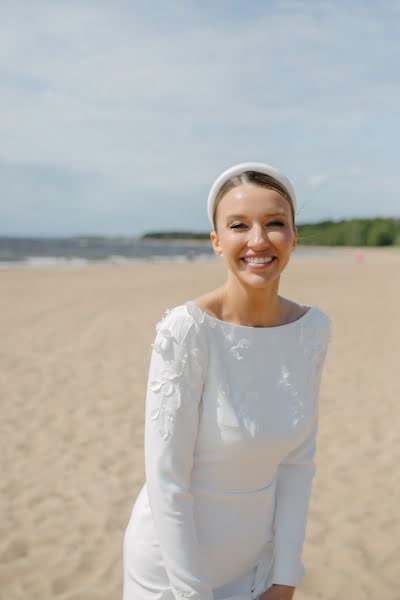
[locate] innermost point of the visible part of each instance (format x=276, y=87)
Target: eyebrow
x=274, y=214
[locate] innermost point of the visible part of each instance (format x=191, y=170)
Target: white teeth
x=259, y=260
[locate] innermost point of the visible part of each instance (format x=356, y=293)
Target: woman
x=231, y=416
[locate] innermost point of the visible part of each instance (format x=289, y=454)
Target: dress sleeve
x=177, y=369
x=294, y=484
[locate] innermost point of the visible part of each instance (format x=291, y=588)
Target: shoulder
x=319, y=320
x=322, y=317
x=181, y=318
x=291, y=310
x=319, y=326
x=316, y=324
x=210, y=303
x=181, y=341
x=180, y=325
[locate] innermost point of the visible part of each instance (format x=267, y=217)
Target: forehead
x=252, y=199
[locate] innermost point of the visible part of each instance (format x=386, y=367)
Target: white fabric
x=230, y=439
x=239, y=170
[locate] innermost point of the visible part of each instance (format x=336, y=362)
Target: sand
x=74, y=352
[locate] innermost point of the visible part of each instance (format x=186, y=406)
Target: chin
x=256, y=281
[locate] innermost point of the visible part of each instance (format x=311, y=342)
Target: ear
x=215, y=243
x=296, y=237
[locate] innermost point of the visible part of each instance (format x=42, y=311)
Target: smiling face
x=254, y=225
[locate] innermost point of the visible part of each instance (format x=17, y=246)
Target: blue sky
x=117, y=116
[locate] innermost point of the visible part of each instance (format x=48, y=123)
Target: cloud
x=155, y=100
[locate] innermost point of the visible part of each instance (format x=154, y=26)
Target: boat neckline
x=297, y=322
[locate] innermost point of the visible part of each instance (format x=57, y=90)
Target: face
x=254, y=225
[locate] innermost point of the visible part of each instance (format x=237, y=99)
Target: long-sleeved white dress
x=230, y=439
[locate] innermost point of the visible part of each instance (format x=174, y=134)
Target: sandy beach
x=75, y=348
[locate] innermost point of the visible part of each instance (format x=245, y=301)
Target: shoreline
x=301, y=252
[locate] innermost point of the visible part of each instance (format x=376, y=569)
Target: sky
x=116, y=116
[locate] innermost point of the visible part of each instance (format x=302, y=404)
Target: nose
x=258, y=237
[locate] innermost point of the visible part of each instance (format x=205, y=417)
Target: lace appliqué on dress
x=198, y=315
x=177, y=357
x=164, y=337
x=296, y=404
x=313, y=339
x=235, y=346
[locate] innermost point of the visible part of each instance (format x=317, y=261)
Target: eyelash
x=238, y=225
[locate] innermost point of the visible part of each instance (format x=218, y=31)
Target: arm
x=295, y=475
x=294, y=483
x=172, y=412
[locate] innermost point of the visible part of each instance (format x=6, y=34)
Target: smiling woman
x=231, y=416
x=255, y=243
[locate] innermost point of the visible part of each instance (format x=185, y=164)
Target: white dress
x=230, y=440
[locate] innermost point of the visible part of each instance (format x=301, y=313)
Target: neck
x=254, y=307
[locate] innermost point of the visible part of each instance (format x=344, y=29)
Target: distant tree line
x=351, y=232
x=348, y=232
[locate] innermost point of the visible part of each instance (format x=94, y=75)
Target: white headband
x=239, y=170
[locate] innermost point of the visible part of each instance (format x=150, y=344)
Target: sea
x=81, y=251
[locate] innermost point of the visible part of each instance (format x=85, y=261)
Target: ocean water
x=77, y=251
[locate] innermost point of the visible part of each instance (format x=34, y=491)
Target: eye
x=237, y=226
x=242, y=225
x=280, y=223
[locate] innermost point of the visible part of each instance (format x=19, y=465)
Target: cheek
x=282, y=237
x=230, y=240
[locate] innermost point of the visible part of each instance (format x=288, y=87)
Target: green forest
x=348, y=232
